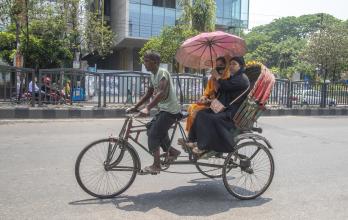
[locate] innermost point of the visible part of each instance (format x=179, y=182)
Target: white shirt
x=31, y=87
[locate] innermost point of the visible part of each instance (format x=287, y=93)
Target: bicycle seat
x=183, y=115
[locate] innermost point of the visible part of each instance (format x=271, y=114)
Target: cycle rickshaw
x=108, y=167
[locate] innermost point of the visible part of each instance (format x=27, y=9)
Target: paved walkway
x=8, y=111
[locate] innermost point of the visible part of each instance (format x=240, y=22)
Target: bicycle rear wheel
x=104, y=178
x=252, y=170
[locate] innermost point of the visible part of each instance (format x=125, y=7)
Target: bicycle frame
x=132, y=132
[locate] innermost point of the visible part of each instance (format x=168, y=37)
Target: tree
x=55, y=32
x=168, y=42
x=200, y=14
x=328, y=50
x=7, y=46
x=281, y=44
x=98, y=36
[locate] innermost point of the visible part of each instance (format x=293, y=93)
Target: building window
x=145, y=21
x=157, y=20
x=232, y=13
x=107, y=8
x=134, y=20
x=164, y=3
x=169, y=17
x=146, y=2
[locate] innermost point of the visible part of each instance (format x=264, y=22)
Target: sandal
x=184, y=143
x=198, y=151
x=191, y=145
x=169, y=157
x=150, y=170
x=181, y=141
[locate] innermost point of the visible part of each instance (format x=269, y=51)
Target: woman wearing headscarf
x=210, y=91
x=213, y=131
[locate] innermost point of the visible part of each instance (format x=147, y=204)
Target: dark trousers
x=157, y=130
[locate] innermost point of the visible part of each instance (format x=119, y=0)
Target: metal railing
x=14, y=85
x=128, y=87
x=68, y=86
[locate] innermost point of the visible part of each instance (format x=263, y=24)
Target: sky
x=264, y=11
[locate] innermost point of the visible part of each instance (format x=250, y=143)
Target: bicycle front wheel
x=106, y=168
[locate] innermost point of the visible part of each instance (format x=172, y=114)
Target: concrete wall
x=119, y=18
x=121, y=59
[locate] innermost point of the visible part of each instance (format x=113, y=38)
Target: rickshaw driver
x=162, y=90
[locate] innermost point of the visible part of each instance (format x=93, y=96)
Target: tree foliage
x=168, y=42
x=99, y=37
x=7, y=46
x=328, y=50
x=283, y=44
x=56, y=31
x=198, y=16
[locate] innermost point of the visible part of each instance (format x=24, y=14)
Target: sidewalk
x=118, y=110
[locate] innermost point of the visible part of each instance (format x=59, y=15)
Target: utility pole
x=324, y=86
x=27, y=32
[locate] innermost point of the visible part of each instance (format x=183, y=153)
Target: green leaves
x=291, y=44
x=99, y=37
x=328, y=50
x=168, y=42
x=198, y=16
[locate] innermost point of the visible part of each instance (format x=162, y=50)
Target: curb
x=39, y=113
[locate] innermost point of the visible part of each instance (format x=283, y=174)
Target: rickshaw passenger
x=212, y=131
x=209, y=92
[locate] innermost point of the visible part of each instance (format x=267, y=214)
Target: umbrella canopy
x=200, y=52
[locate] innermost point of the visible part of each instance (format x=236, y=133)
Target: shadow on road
x=207, y=197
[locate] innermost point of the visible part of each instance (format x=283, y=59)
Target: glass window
x=164, y=3
x=219, y=8
x=146, y=2
x=245, y=11
x=219, y=20
x=135, y=1
x=134, y=19
x=145, y=21
x=169, y=3
x=236, y=9
x=178, y=6
x=228, y=8
x=158, y=20
x=158, y=3
x=227, y=21
x=178, y=14
x=169, y=17
x=107, y=7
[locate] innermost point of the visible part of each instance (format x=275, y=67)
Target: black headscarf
x=239, y=60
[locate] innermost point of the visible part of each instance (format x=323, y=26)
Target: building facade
x=135, y=21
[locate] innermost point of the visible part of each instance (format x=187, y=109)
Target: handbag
x=217, y=106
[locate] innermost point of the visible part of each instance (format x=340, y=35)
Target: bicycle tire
x=125, y=150
x=211, y=172
x=246, y=169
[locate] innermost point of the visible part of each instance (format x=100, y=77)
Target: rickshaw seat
x=255, y=104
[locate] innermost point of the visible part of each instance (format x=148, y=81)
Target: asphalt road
x=37, y=175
